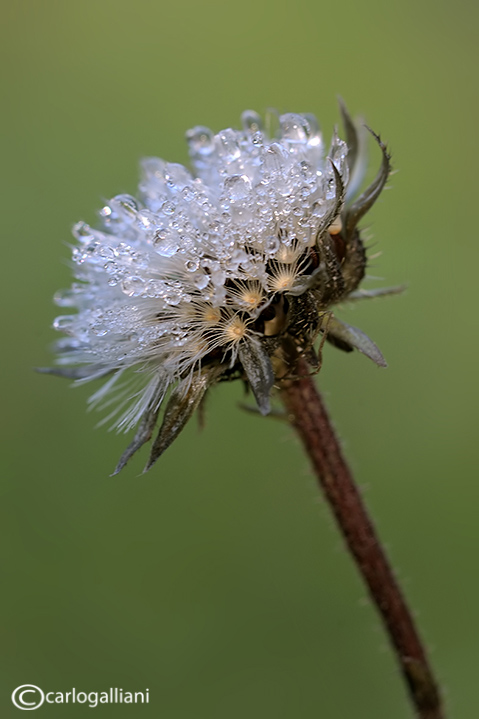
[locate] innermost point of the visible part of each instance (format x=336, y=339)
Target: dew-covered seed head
x=208, y=271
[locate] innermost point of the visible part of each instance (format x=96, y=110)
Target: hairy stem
x=309, y=417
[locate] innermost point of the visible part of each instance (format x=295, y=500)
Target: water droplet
x=82, y=232
x=191, y=265
x=123, y=250
x=132, y=286
x=315, y=137
x=271, y=244
x=168, y=208
x=257, y=138
x=201, y=140
x=110, y=267
x=201, y=280
x=294, y=128
x=188, y=193
x=105, y=251
x=330, y=192
x=100, y=330
x=166, y=243
x=63, y=323
x=319, y=209
x=152, y=288
x=88, y=252
x=237, y=187
x=251, y=121
x=128, y=204
x=172, y=296
x=265, y=212
x=228, y=147
x=337, y=153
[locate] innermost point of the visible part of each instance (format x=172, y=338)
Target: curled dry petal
x=367, y=199
x=356, y=339
x=259, y=371
x=183, y=401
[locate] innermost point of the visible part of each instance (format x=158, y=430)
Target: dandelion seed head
x=204, y=263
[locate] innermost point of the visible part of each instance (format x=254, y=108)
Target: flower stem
x=309, y=417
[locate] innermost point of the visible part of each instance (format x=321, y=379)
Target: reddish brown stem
x=309, y=417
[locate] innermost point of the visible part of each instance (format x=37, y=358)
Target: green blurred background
x=218, y=580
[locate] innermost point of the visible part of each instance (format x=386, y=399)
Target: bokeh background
x=218, y=580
